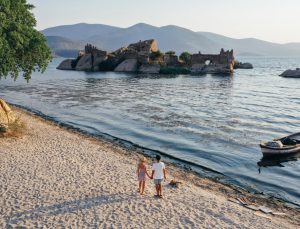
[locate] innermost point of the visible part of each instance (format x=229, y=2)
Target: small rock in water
x=291, y=73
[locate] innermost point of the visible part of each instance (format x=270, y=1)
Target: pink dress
x=142, y=174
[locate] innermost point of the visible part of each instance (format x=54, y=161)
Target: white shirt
x=158, y=170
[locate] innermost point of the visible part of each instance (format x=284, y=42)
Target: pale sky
x=271, y=20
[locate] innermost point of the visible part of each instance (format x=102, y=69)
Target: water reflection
x=277, y=160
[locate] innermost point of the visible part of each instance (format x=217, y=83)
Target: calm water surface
x=214, y=121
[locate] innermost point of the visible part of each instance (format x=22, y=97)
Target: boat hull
x=269, y=151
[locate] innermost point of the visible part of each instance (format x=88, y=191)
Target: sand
x=54, y=178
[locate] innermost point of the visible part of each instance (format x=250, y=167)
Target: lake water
x=213, y=121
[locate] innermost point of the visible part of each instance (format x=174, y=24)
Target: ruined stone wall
x=222, y=58
x=90, y=49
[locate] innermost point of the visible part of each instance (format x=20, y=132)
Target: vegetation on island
x=171, y=53
x=23, y=49
x=156, y=56
x=186, y=58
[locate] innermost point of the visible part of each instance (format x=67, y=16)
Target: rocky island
x=145, y=57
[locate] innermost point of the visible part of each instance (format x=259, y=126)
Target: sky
x=271, y=20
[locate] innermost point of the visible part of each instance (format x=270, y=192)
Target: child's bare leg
x=160, y=190
x=140, y=186
x=143, y=187
x=157, y=189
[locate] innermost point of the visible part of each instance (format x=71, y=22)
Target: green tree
x=171, y=53
x=186, y=57
x=22, y=48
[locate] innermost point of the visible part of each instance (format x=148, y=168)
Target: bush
x=186, y=58
x=15, y=129
x=171, y=53
x=156, y=55
x=174, y=70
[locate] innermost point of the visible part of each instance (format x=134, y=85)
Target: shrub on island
x=156, y=56
x=186, y=58
x=171, y=53
x=171, y=70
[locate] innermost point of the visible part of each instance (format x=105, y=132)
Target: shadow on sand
x=69, y=207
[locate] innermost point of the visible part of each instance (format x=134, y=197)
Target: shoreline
x=219, y=196
x=197, y=170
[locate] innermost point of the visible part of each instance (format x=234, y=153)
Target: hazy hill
x=254, y=46
x=80, y=31
x=73, y=37
x=168, y=37
x=65, y=47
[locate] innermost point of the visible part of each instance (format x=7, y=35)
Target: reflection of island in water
x=277, y=160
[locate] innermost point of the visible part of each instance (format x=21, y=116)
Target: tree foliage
x=22, y=48
x=156, y=55
x=186, y=58
x=171, y=53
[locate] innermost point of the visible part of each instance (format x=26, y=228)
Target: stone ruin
x=90, y=49
x=137, y=57
x=146, y=46
x=90, y=58
x=211, y=63
x=170, y=59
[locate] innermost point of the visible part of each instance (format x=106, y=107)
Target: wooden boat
x=286, y=145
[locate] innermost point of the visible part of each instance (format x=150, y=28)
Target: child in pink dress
x=142, y=172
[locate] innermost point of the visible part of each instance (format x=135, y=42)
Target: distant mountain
x=80, y=31
x=168, y=38
x=62, y=46
x=178, y=39
x=254, y=46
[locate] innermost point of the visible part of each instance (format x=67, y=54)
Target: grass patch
x=14, y=129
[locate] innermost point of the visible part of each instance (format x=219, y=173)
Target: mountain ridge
x=169, y=37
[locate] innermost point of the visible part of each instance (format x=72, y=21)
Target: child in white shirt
x=158, y=174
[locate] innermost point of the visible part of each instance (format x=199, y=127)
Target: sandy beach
x=54, y=178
